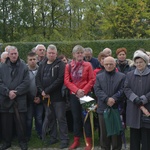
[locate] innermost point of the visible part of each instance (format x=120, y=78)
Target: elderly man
x=108, y=89
x=88, y=52
x=40, y=50
x=14, y=82
x=107, y=51
x=49, y=79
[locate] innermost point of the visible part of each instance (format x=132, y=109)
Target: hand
x=110, y=102
x=37, y=100
x=80, y=93
x=145, y=111
x=43, y=94
x=12, y=94
x=138, y=101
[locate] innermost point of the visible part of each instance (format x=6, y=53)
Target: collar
x=146, y=71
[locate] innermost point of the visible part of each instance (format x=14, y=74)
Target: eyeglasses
x=41, y=49
x=108, y=64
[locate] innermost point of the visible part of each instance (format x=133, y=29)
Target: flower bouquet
x=89, y=106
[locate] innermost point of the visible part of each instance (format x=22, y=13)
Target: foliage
x=89, y=105
x=98, y=45
x=68, y=20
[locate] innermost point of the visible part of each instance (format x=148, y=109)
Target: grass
x=35, y=142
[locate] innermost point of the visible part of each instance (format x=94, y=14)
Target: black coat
x=56, y=80
x=108, y=85
x=13, y=79
x=124, y=68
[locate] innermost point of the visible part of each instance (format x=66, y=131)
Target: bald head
x=107, y=51
x=109, y=63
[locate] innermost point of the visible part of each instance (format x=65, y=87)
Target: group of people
x=36, y=90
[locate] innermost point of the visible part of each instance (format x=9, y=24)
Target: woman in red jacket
x=79, y=78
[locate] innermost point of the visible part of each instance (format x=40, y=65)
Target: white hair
x=107, y=50
x=6, y=48
x=36, y=48
x=3, y=53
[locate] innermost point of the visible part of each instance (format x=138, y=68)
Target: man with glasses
x=109, y=91
x=88, y=56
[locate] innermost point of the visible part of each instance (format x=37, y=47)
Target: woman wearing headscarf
x=137, y=91
x=79, y=78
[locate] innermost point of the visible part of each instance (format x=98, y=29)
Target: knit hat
x=141, y=54
x=121, y=50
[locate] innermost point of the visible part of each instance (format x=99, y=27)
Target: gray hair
x=107, y=50
x=88, y=49
x=36, y=48
x=3, y=53
x=6, y=48
x=11, y=48
x=53, y=47
x=77, y=48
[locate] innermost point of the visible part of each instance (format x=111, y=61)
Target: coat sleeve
x=3, y=88
x=38, y=81
x=127, y=89
x=120, y=93
x=99, y=92
x=23, y=87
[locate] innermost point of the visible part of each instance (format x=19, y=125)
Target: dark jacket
x=108, y=85
x=55, y=84
x=13, y=79
x=137, y=85
x=123, y=67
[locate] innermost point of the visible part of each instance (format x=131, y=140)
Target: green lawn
x=35, y=142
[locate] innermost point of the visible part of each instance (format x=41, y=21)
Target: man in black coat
x=14, y=82
x=109, y=91
x=49, y=80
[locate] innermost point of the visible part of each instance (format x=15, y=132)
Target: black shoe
x=23, y=146
x=5, y=146
x=53, y=141
x=63, y=145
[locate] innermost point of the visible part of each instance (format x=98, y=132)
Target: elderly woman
x=137, y=90
x=79, y=78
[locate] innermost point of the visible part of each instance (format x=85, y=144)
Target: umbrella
x=48, y=120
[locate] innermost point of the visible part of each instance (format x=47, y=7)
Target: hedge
x=66, y=47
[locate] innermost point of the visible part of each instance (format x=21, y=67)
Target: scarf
x=77, y=71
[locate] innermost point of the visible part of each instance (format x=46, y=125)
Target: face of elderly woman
x=140, y=64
